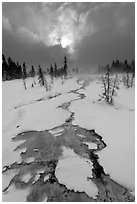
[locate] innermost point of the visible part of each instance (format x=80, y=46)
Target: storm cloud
x=88, y=33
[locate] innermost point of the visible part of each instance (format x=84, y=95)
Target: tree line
x=119, y=67
x=111, y=84
x=13, y=70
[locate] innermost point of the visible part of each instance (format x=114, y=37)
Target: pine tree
x=133, y=72
x=51, y=73
x=55, y=70
x=65, y=67
x=32, y=74
x=24, y=75
x=24, y=71
x=4, y=68
x=41, y=76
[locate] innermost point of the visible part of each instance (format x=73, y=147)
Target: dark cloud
x=89, y=33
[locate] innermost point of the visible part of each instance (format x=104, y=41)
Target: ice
x=15, y=195
x=117, y=127
x=26, y=177
x=75, y=172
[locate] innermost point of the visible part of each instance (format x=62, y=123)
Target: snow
x=116, y=126
x=31, y=114
x=23, y=110
x=45, y=199
x=21, y=150
x=92, y=91
x=91, y=145
x=36, y=150
x=29, y=160
x=74, y=171
x=7, y=177
x=26, y=177
x=32, y=109
x=15, y=195
x=38, y=175
x=56, y=131
x=81, y=135
x=46, y=177
x=133, y=193
x=10, y=156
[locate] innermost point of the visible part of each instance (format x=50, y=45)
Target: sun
x=67, y=43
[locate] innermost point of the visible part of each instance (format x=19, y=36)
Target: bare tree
x=109, y=86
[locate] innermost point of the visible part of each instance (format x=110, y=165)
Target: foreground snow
x=22, y=111
x=75, y=173
x=116, y=126
x=33, y=110
x=15, y=195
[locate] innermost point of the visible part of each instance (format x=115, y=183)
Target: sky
x=88, y=33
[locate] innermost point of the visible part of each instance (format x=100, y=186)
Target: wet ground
x=42, y=152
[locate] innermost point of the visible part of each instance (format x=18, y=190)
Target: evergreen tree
x=32, y=74
x=41, y=76
x=55, y=70
x=51, y=72
x=24, y=75
x=4, y=68
x=18, y=72
x=10, y=68
x=24, y=71
x=65, y=67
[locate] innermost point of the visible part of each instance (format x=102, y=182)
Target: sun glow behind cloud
x=81, y=30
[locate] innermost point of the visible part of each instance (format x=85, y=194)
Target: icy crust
x=75, y=173
x=116, y=124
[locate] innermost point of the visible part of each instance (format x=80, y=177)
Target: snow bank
x=7, y=177
x=15, y=195
x=75, y=172
x=32, y=116
x=92, y=91
x=116, y=126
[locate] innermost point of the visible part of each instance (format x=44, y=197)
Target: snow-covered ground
x=75, y=173
x=30, y=109
x=15, y=195
x=116, y=124
x=31, y=114
x=34, y=109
